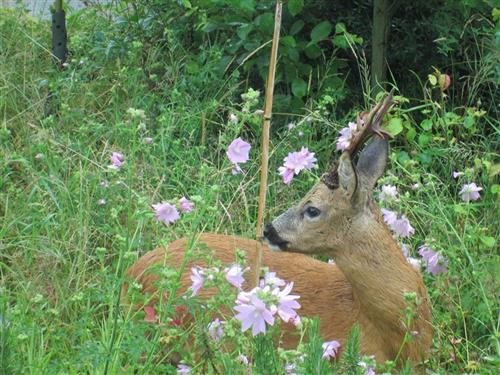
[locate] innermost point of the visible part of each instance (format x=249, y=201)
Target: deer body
x=336, y=218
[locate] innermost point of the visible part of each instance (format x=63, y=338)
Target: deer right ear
x=372, y=162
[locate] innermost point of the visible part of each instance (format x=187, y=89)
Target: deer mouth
x=273, y=239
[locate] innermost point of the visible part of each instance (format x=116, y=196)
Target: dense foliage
x=169, y=85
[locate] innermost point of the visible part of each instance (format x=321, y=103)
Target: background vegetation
x=175, y=71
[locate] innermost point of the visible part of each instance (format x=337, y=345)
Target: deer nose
x=267, y=229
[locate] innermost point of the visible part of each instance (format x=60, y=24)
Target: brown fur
x=367, y=285
x=324, y=290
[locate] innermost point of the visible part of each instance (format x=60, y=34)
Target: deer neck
x=379, y=274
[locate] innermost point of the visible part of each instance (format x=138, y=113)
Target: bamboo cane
x=268, y=108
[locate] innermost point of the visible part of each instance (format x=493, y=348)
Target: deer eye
x=312, y=212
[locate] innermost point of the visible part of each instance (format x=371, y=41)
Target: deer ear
x=347, y=175
x=372, y=162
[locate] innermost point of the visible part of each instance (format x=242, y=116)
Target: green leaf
x=494, y=170
x=288, y=41
x=340, y=28
x=340, y=41
x=296, y=27
x=247, y=6
x=293, y=54
x=426, y=124
x=265, y=22
x=469, y=122
x=488, y=241
x=424, y=139
x=244, y=30
x=395, y=126
x=299, y=87
x=295, y=6
x=321, y=31
x=411, y=134
x=312, y=51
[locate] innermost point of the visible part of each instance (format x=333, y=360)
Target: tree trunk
x=380, y=33
x=59, y=35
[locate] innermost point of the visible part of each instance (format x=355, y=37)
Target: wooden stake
x=268, y=109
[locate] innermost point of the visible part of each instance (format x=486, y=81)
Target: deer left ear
x=348, y=180
x=372, y=162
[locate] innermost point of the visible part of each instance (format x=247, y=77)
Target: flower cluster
x=295, y=162
x=346, y=135
x=257, y=308
x=399, y=225
x=216, y=329
x=435, y=263
x=470, y=192
x=168, y=213
x=238, y=152
x=233, y=275
x=388, y=193
x=330, y=349
x=117, y=160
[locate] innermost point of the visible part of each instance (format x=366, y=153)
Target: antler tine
x=369, y=124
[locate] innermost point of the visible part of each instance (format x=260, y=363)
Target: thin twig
x=268, y=109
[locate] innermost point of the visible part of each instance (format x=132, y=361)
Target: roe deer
x=338, y=218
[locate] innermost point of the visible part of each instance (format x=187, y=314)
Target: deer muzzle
x=273, y=239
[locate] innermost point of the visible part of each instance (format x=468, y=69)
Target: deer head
x=319, y=223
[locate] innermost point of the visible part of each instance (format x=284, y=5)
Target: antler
x=368, y=124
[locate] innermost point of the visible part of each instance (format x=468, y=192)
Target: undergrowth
x=71, y=226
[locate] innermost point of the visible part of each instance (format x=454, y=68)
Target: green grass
x=63, y=255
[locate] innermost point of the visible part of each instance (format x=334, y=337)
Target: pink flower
x=185, y=205
x=390, y=217
x=243, y=359
x=470, y=192
x=150, y=314
x=368, y=368
x=287, y=303
x=402, y=227
x=435, y=262
x=104, y=183
x=234, y=275
x=183, y=369
x=254, y=314
x=238, y=152
x=147, y=140
x=330, y=349
x=389, y=192
x=404, y=249
x=116, y=160
x=415, y=186
x=216, y=329
x=331, y=261
x=301, y=133
x=457, y=174
x=287, y=174
x=291, y=125
x=166, y=212
x=272, y=280
x=101, y=202
x=198, y=279
x=346, y=135
x=295, y=162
